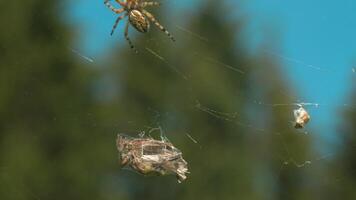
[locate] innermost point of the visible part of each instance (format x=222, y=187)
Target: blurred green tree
x=205, y=85
x=341, y=181
x=58, y=120
x=47, y=123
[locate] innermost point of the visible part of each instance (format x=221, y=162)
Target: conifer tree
x=49, y=144
x=203, y=85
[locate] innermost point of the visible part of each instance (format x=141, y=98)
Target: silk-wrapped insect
x=148, y=156
x=302, y=117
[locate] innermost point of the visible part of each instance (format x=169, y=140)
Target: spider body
x=138, y=17
x=139, y=21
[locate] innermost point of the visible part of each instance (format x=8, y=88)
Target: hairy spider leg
x=149, y=3
x=122, y=3
x=117, y=11
x=117, y=22
x=129, y=4
x=152, y=18
x=127, y=37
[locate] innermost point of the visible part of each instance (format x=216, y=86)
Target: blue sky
x=314, y=34
x=316, y=45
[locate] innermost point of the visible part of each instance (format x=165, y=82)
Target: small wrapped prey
x=148, y=156
x=302, y=117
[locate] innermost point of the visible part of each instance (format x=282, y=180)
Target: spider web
x=231, y=116
x=234, y=117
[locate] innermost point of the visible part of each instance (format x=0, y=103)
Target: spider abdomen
x=139, y=21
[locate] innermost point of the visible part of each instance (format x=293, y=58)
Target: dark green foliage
x=46, y=122
x=58, y=129
x=191, y=87
x=342, y=180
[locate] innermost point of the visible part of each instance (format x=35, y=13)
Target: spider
x=138, y=17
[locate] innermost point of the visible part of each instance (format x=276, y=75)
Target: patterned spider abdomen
x=139, y=21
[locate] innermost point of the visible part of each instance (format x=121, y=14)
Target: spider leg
x=122, y=3
x=152, y=18
x=119, y=1
x=127, y=37
x=117, y=22
x=117, y=11
x=150, y=3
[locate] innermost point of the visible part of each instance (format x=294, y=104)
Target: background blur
x=67, y=88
